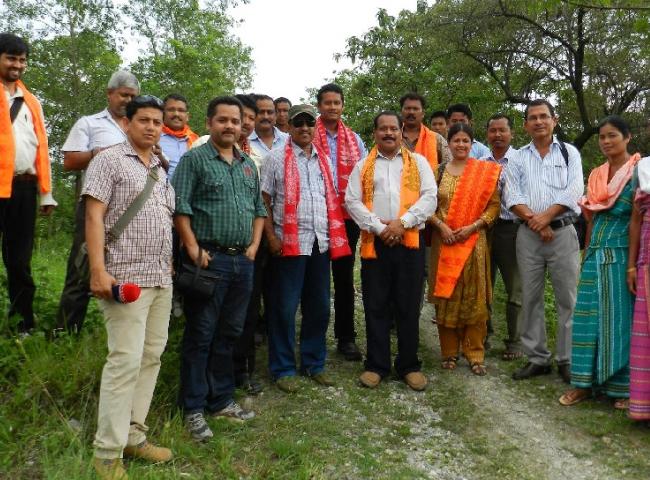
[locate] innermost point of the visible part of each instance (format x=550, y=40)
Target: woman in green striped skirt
x=602, y=319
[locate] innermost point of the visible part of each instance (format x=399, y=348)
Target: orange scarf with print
x=8, y=146
x=409, y=194
x=475, y=187
x=427, y=146
x=185, y=132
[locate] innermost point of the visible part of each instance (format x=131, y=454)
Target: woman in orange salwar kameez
x=460, y=287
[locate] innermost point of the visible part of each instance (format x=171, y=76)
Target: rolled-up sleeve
x=364, y=218
x=575, y=185
x=100, y=178
x=79, y=137
x=183, y=181
x=513, y=191
x=426, y=205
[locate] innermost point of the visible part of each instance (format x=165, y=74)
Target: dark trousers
x=394, y=277
x=17, y=222
x=76, y=291
x=303, y=280
x=211, y=329
x=244, y=351
x=343, y=277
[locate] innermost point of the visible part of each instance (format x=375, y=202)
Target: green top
x=221, y=199
x=610, y=227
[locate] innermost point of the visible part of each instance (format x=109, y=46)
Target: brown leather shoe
x=149, y=452
x=369, y=379
x=110, y=469
x=416, y=380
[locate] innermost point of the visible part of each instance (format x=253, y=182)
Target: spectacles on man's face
x=148, y=99
x=301, y=122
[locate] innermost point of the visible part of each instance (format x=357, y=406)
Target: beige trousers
x=137, y=335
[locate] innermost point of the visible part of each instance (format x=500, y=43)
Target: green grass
x=48, y=402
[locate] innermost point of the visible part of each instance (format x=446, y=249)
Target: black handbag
x=195, y=282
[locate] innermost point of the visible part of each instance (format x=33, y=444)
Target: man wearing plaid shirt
x=219, y=218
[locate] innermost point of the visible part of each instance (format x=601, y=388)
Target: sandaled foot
x=510, y=355
x=622, y=404
x=478, y=369
x=450, y=363
x=574, y=396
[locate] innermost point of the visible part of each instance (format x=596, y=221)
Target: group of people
x=277, y=196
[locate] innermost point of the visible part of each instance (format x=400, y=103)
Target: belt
x=25, y=177
x=562, y=222
x=221, y=249
x=508, y=221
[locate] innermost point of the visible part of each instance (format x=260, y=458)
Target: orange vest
x=8, y=146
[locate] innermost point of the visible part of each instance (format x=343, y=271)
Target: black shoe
x=564, y=371
x=531, y=370
x=249, y=384
x=350, y=351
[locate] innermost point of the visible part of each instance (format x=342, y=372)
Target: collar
x=531, y=145
x=130, y=152
x=507, y=156
x=298, y=151
x=277, y=133
x=381, y=155
x=236, y=154
x=16, y=94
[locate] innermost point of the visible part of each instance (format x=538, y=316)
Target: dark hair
x=175, y=96
x=538, y=102
x=618, y=123
x=260, y=96
x=224, y=100
x=459, y=108
x=13, y=45
x=143, y=101
x=247, y=102
x=330, y=87
x=282, y=100
x=387, y=113
x=413, y=96
x=499, y=116
x=460, y=127
x=438, y=113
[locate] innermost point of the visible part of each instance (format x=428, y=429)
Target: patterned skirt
x=640, y=351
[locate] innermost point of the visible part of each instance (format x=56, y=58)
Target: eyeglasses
x=148, y=100
x=301, y=122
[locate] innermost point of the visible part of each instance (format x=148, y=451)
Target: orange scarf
x=427, y=146
x=8, y=146
x=602, y=195
x=185, y=132
x=475, y=187
x=408, y=195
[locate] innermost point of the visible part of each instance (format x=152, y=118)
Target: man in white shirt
x=25, y=173
x=90, y=135
x=392, y=249
x=266, y=135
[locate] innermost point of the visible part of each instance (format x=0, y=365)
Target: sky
x=294, y=41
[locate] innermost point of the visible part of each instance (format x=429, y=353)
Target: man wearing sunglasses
x=304, y=229
x=89, y=136
x=136, y=331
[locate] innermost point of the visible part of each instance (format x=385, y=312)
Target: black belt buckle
x=563, y=222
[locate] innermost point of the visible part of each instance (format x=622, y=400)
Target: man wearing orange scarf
x=24, y=174
x=390, y=195
x=176, y=137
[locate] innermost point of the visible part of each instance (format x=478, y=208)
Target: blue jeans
x=211, y=330
x=303, y=280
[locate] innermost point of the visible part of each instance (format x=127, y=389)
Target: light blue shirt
x=173, y=148
x=312, y=206
x=479, y=150
x=541, y=182
x=334, y=154
x=94, y=131
x=511, y=152
x=259, y=150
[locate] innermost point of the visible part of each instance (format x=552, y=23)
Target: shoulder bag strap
x=135, y=206
x=15, y=108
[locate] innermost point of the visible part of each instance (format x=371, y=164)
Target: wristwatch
x=403, y=222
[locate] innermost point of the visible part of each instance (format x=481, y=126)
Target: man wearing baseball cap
x=304, y=228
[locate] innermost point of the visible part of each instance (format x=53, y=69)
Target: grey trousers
x=503, y=252
x=561, y=257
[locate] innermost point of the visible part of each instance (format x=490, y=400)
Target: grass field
x=462, y=427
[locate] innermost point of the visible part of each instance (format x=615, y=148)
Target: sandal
x=478, y=369
x=449, y=363
x=622, y=404
x=510, y=355
x=574, y=396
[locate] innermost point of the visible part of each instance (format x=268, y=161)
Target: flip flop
x=622, y=404
x=450, y=363
x=574, y=396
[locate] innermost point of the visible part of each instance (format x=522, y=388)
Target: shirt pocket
x=555, y=174
x=212, y=188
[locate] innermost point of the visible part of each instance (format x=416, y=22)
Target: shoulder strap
x=15, y=108
x=135, y=206
x=565, y=152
